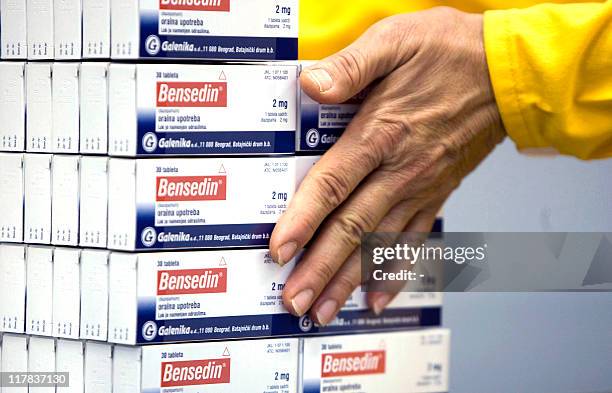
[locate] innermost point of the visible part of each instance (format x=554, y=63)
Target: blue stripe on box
x=154, y=45
x=203, y=236
x=279, y=325
x=216, y=143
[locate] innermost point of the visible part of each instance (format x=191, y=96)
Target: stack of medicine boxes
x=106, y=166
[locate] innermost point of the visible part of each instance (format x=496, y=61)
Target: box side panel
x=65, y=89
x=96, y=29
x=69, y=359
x=40, y=29
x=65, y=200
x=94, y=108
x=67, y=29
x=39, y=291
x=37, y=214
x=121, y=204
x=12, y=288
x=39, y=109
x=125, y=29
x=122, y=110
x=93, y=214
x=13, y=35
x=11, y=197
x=12, y=106
x=66, y=293
x=94, y=295
x=122, y=308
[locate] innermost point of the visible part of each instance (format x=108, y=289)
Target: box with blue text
x=199, y=296
x=196, y=202
x=204, y=29
x=214, y=109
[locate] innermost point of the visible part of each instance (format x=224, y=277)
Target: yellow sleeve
x=551, y=70
x=328, y=27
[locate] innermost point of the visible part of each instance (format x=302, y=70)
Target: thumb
x=343, y=75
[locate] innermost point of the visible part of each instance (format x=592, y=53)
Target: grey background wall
x=532, y=342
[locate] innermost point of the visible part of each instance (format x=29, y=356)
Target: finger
x=338, y=237
x=340, y=288
x=328, y=184
x=349, y=277
x=359, y=151
x=337, y=240
x=422, y=222
x=373, y=55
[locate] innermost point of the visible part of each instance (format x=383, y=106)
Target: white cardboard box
x=93, y=201
x=65, y=200
x=96, y=29
x=233, y=366
x=12, y=106
x=203, y=290
x=37, y=214
x=11, y=197
x=244, y=30
x=69, y=359
x=125, y=24
x=40, y=29
x=94, y=295
x=66, y=293
x=94, y=108
x=13, y=35
x=415, y=361
x=198, y=202
x=12, y=288
x=14, y=358
x=122, y=299
x=39, y=101
x=41, y=359
x=67, y=29
x=126, y=369
x=98, y=368
x=214, y=109
x=65, y=111
x=199, y=296
x=39, y=291
x=122, y=111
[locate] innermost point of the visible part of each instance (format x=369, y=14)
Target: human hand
x=428, y=122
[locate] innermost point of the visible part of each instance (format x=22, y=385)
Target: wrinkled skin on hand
x=429, y=120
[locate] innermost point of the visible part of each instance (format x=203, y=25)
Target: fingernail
x=381, y=303
x=302, y=301
x=321, y=78
x=286, y=252
x=327, y=312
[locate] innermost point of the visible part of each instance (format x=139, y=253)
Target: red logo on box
x=195, y=372
x=191, y=188
x=195, y=5
x=191, y=94
x=191, y=281
x=352, y=363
